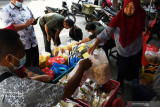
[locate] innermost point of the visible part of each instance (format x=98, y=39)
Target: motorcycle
x=77, y=7
x=64, y=11
x=154, y=27
x=105, y=14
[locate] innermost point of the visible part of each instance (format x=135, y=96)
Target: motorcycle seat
x=53, y=9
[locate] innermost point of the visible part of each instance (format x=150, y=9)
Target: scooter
x=154, y=27
x=105, y=14
x=64, y=11
x=77, y=7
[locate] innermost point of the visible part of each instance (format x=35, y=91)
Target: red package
x=49, y=72
x=58, y=59
x=151, y=47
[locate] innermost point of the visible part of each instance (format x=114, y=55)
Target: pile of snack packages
x=63, y=55
x=98, y=74
x=152, y=54
x=90, y=93
x=67, y=103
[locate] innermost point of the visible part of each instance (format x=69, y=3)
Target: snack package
x=56, y=51
x=95, y=100
x=43, y=57
x=84, y=97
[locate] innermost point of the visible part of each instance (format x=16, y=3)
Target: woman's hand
x=91, y=49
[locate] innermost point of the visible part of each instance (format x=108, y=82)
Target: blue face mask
x=22, y=61
x=18, y=4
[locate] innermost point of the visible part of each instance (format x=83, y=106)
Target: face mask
x=90, y=33
x=18, y=4
x=22, y=61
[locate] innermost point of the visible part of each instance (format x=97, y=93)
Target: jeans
x=141, y=93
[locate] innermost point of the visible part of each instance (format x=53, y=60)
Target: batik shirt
x=12, y=15
x=22, y=92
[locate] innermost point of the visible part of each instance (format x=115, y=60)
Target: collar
x=14, y=7
x=4, y=69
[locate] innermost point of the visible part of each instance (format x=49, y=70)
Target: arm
x=56, y=36
x=84, y=40
x=47, y=32
x=43, y=78
x=22, y=26
x=102, y=37
x=73, y=83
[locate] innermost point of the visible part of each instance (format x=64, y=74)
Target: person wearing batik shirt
x=17, y=13
x=23, y=92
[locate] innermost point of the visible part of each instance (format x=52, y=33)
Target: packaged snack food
x=95, y=100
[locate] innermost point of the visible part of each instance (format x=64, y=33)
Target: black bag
x=76, y=33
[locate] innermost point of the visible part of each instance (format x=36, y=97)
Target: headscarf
x=130, y=26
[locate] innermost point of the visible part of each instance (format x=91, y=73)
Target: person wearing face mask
x=127, y=27
x=23, y=92
x=94, y=29
x=18, y=14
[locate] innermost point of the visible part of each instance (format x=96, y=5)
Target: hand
x=142, y=82
x=29, y=22
x=77, y=43
x=45, y=78
x=48, y=38
x=85, y=64
x=34, y=22
x=91, y=49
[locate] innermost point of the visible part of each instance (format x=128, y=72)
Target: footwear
x=120, y=90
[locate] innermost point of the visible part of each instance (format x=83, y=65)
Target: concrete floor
x=38, y=6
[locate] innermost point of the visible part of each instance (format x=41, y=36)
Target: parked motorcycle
x=63, y=11
x=154, y=27
x=77, y=7
x=105, y=14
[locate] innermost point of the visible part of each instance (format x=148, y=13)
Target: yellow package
x=43, y=59
x=148, y=72
x=85, y=55
x=55, y=51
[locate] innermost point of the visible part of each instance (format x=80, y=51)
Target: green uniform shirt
x=53, y=21
x=98, y=30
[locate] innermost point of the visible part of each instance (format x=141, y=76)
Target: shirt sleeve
x=5, y=18
x=106, y=34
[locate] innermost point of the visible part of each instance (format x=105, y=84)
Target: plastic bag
x=58, y=59
x=43, y=60
x=152, y=54
x=59, y=69
x=49, y=72
x=100, y=70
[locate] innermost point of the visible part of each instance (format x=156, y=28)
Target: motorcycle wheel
x=73, y=10
x=88, y=18
x=71, y=16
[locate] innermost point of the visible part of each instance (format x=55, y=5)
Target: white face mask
x=18, y=4
x=90, y=33
x=22, y=61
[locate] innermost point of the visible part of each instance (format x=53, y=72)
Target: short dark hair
x=69, y=22
x=9, y=42
x=90, y=26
